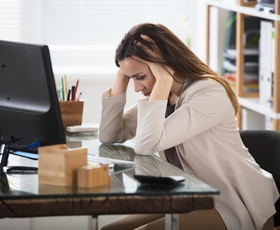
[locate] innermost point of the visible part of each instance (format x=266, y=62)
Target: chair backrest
x=264, y=146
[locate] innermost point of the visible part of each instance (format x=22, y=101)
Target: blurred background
x=82, y=36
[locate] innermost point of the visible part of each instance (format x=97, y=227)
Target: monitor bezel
x=41, y=120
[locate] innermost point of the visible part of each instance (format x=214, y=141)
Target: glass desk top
x=18, y=186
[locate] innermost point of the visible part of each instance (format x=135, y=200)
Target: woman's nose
x=138, y=86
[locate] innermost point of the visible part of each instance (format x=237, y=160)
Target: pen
x=76, y=88
x=62, y=88
x=65, y=87
x=73, y=93
x=79, y=97
x=68, y=95
x=59, y=94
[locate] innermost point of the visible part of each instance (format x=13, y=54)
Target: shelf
x=254, y=105
x=246, y=100
x=250, y=95
x=242, y=9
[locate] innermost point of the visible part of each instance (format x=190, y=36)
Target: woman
x=187, y=115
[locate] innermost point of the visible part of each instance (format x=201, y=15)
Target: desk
x=23, y=196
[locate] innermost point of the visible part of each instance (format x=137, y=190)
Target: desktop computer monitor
x=29, y=107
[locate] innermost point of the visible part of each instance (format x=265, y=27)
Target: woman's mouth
x=146, y=94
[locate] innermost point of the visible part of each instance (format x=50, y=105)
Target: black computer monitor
x=29, y=107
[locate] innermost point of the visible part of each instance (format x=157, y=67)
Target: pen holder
x=71, y=112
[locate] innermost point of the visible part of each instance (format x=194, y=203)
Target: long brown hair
x=174, y=52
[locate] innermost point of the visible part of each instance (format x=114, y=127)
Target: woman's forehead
x=131, y=67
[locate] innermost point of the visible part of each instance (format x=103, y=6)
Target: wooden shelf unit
x=244, y=9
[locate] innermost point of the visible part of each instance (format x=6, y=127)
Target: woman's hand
x=120, y=84
x=162, y=73
x=158, y=70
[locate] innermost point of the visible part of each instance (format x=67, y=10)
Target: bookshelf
x=250, y=100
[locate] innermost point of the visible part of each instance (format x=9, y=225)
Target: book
x=265, y=60
x=248, y=66
x=110, y=161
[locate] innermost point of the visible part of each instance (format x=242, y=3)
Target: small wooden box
x=71, y=112
x=91, y=177
x=59, y=165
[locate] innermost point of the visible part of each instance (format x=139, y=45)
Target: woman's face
x=140, y=73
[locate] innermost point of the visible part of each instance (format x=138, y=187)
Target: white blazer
x=203, y=130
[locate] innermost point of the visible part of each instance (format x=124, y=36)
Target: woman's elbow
x=142, y=149
x=104, y=139
x=145, y=146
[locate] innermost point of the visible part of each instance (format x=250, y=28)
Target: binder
x=266, y=58
x=272, y=62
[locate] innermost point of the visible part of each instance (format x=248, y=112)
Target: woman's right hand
x=120, y=84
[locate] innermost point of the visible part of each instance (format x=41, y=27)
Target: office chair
x=264, y=146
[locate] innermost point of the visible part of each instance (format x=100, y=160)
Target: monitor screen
x=29, y=108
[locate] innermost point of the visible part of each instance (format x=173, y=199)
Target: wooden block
x=93, y=175
x=71, y=112
x=59, y=165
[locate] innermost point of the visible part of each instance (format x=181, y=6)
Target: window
x=86, y=32
x=12, y=19
x=103, y=22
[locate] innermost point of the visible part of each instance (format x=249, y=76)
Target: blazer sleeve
x=115, y=125
x=204, y=106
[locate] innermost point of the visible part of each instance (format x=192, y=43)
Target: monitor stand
x=4, y=156
x=4, y=183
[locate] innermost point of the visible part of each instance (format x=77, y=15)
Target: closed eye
x=140, y=77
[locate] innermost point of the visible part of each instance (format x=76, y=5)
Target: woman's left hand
x=162, y=73
x=158, y=70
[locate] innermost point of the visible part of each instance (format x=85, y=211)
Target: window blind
x=12, y=19
x=86, y=32
x=104, y=22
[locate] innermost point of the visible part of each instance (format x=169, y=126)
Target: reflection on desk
x=23, y=196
